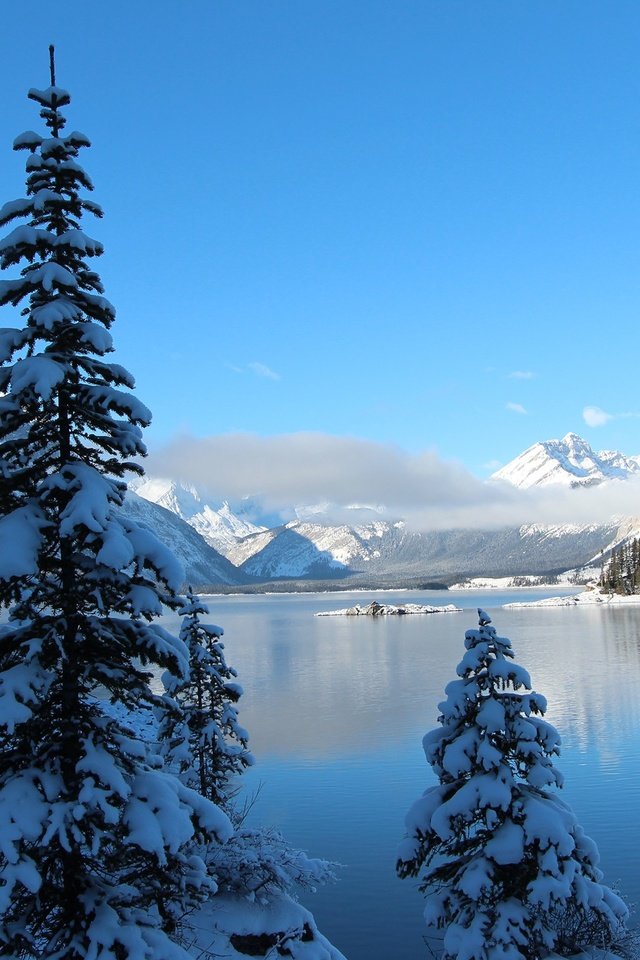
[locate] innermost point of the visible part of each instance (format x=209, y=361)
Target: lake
x=337, y=707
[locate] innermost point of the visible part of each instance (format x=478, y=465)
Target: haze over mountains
x=228, y=544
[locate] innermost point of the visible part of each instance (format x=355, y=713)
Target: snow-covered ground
x=570, y=578
x=588, y=598
x=229, y=927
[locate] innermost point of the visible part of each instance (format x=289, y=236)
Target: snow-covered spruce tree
x=96, y=853
x=204, y=740
x=206, y=746
x=507, y=870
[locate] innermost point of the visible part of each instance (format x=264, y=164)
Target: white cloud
x=427, y=492
x=262, y=370
x=521, y=375
x=515, y=407
x=595, y=417
x=259, y=369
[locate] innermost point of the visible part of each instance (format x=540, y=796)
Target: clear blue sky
x=409, y=221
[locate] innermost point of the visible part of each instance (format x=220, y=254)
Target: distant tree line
x=622, y=573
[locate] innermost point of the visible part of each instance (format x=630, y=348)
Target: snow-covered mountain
x=311, y=546
x=201, y=562
x=570, y=462
x=382, y=551
x=303, y=549
x=221, y=527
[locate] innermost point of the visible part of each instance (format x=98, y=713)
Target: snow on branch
x=57, y=309
x=50, y=97
x=40, y=373
x=79, y=242
x=149, y=551
x=108, y=399
x=15, y=208
x=21, y=537
x=27, y=141
x=27, y=238
x=10, y=341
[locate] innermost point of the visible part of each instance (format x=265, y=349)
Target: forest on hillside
x=622, y=573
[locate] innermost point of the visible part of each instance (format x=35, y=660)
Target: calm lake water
x=337, y=707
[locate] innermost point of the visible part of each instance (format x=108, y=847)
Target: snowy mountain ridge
x=201, y=562
x=220, y=527
x=300, y=548
x=570, y=461
x=311, y=546
x=314, y=551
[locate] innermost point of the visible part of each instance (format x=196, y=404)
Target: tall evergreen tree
x=96, y=859
x=507, y=869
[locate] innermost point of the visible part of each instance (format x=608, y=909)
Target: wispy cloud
x=258, y=369
x=521, y=375
x=515, y=407
x=262, y=370
x=596, y=417
x=425, y=491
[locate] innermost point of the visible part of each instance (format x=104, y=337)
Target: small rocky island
x=375, y=609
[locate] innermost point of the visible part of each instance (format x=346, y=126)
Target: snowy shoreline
x=587, y=599
x=565, y=581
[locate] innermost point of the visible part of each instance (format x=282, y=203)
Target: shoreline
x=587, y=599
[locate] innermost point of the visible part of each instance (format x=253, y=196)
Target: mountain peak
x=574, y=441
x=570, y=462
x=221, y=528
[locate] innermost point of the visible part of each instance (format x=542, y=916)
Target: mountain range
x=202, y=563
x=222, y=528
x=226, y=544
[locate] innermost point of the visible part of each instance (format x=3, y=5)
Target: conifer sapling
x=204, y=740
x=507, y=870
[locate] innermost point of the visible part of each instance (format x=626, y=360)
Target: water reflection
x=337, y=707
x=587, y=663
x=334, y=687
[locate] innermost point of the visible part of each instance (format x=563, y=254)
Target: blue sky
x=410, y=222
